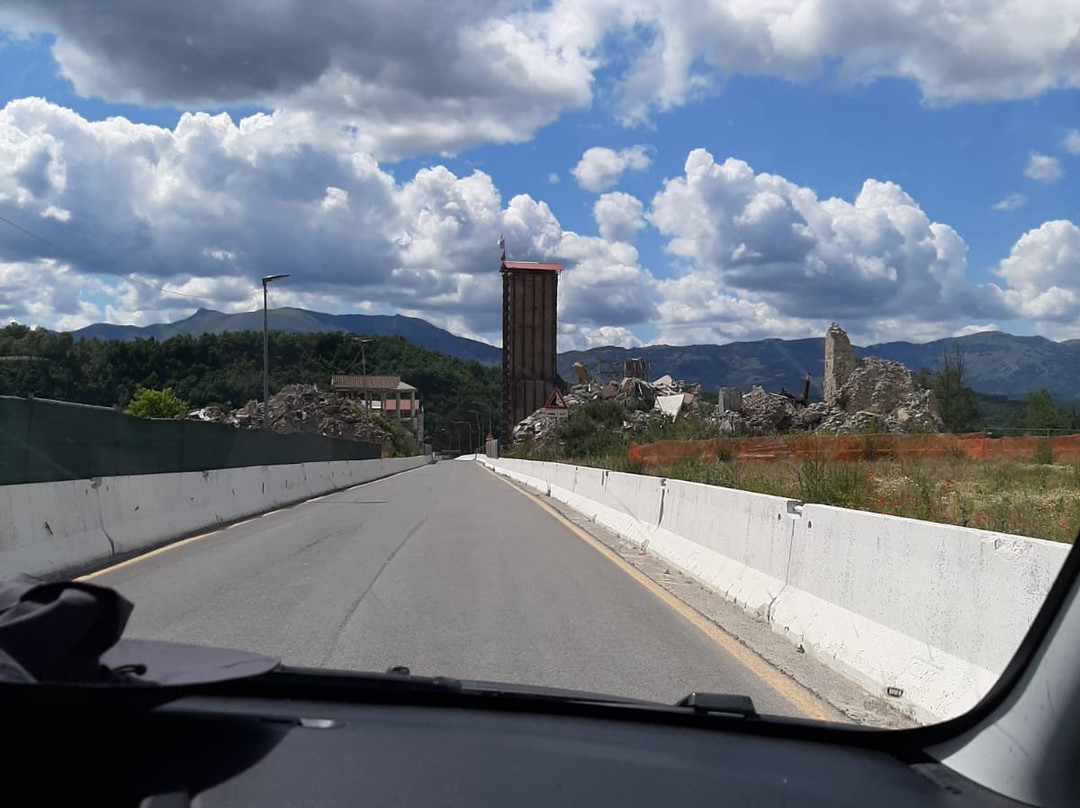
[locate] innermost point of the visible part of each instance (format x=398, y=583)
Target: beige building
x=388, y=396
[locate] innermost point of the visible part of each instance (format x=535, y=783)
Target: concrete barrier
x=736, y=542
x=162, y=506
x=50, y=526
x=928, y=613
x=935, y=611
x=56, y=528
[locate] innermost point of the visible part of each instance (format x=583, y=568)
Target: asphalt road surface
x=447, y=570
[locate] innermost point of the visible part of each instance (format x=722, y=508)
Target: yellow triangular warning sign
x=556, y=401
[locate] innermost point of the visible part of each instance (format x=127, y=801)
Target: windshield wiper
x=399, y=686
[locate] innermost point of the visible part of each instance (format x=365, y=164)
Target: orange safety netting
x=977, y=446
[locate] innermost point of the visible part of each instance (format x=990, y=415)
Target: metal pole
x=266, y=350
x=479, y=429
x=266, y=359
x=363, y=369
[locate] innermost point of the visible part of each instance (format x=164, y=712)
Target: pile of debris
x=303, y=408
x=861, y=395
x=663, y=398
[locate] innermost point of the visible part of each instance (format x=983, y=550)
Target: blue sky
x=391, y=184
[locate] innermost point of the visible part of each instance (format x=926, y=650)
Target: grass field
x=1010, y=496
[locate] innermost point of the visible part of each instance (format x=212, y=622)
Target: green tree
x=148, y=403
x=401, y=440
x=955, y=399
x=1041, y=413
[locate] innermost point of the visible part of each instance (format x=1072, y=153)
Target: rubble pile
x=883, y=394
x=665, y=397
x=861, y=395
x=303, y=408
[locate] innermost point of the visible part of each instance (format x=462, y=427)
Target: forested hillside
x=227, y=369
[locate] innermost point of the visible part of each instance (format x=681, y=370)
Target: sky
x=705, y=172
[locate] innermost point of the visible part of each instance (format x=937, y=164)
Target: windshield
x=630, y=348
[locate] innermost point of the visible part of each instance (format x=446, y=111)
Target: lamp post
x=479, y=431
x=363, y=370
x=266, y=350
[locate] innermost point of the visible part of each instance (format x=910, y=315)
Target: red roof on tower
x=532, y=265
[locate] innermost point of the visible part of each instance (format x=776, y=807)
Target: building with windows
x=388, y=396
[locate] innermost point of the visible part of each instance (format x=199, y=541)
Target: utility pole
x=266, y=350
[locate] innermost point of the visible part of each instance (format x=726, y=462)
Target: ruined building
x=870, y=391
x=840, y=362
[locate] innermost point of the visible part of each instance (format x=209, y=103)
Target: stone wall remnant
x=840, y=362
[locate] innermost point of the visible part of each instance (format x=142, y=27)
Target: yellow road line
x=175, y=545
x=784, y=686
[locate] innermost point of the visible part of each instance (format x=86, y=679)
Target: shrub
x=401, y=439
x=148, y=403
x=593, y=430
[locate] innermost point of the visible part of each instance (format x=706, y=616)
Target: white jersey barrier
x=927, y=615
x=55, y=528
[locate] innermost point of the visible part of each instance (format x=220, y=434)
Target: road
x=447, y=570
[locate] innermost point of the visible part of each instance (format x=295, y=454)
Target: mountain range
x=996, y=363
x=301, y=321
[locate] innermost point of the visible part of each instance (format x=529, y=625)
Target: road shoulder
x=843, y=698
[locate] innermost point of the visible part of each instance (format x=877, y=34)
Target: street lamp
x=479, y=430
x=363, y=369
x=266, y=350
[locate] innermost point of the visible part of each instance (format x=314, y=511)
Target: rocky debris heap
x=861, y=395
x=663, y=398
x=303, y=408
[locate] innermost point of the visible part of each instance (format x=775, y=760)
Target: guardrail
x=50, y=529
x=925, y=614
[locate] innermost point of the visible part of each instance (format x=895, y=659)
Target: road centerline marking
x=787, y=688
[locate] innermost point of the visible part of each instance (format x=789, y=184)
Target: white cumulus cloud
x=1043, y=168
x=406, y=77
x=600, y=167
x=582, y=338
x=619, y=216
x=207, y=208
x=1071, y=141
x=1042, y=272
x=767, y=256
